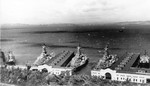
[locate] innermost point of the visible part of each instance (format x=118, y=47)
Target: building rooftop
x=125, y=64
x=61, y=59
x=113, y=66
x=130, y=62
x=52, y=59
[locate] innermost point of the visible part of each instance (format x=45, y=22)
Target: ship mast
x=44, y=49
x=102, y=60
x=78, y=51
x=106, y=53
x=145, y=53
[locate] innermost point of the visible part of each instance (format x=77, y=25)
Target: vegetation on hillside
x=36, y=78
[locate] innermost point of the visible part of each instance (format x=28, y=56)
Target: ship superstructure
x=44, y=57
x=107, y=60
x=11, y=59
x=144, y=61
x=80, y=60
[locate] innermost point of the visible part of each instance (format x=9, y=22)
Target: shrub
x=36, y=78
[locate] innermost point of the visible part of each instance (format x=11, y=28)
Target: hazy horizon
x=147, y=22
x=73, y=11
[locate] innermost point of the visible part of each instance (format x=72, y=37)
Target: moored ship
x=44, y=57
x=79, y=61
x=144, y=61
x=107, y=60
x=11, y=59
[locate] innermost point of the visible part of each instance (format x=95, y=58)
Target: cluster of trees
x=23, y=77
x=36, y=78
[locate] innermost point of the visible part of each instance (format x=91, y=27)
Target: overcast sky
x=74, y=11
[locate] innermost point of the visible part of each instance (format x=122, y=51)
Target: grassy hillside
x=25, y=77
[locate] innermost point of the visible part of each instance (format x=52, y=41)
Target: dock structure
x=62, y=59
x=58, y=64
x=126, y=68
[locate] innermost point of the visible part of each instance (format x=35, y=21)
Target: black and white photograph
x=74, y=42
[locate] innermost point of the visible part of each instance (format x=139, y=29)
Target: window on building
x=136, y=80
x=123, y=78
x=142, y=81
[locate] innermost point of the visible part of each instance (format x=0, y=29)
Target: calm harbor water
x=25, y=42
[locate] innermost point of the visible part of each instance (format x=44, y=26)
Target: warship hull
x=78, y=68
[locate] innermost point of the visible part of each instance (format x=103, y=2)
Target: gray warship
x=79, y=61
x=107, y=60
x=10, y=59
x=44, y=57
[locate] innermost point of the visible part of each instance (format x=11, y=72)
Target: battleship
x=143, y=61
x=79, y=61
x=107, y=60
x=11, y=59
x=44, y=57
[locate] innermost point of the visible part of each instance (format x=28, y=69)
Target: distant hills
x=134, y=23
x=71, y=24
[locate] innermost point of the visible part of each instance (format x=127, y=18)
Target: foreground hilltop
x=18, y=77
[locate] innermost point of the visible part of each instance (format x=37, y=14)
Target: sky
x=73, y=11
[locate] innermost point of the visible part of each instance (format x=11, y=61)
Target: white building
x=124, y=72
x=122, y=76
x=53, y=70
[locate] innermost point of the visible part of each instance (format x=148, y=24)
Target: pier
x=62, y=59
